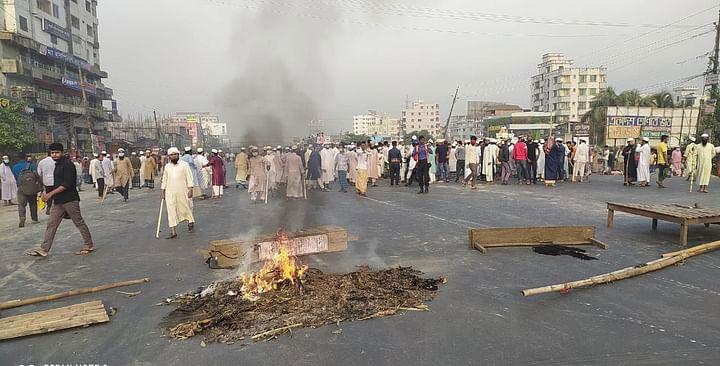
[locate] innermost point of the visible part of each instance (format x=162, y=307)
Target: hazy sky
x=294, y=60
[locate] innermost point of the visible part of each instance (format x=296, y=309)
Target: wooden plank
x=54, y=319
x=645, y=213
x=322, y=239
x=536, y=235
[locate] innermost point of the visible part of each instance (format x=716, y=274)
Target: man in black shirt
x=66, y=204
x=532, y=158
x=395, y=159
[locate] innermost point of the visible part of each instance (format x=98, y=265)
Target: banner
x=581, y=129
x=623, y=127
x=56, y=30
x=623, y=132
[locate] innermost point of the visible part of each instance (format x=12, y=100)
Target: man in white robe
x=143, y=158
x=643, y=168
x=705, y=154
x=328, y=165
x=9, y=184
x=293, y=172
x=541, y=161
x=177, y=191
x=108, y=168
x=490, y=158
x=204, y=171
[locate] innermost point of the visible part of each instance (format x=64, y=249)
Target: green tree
x=15, y=131
x=596, y=117
x=662, y=99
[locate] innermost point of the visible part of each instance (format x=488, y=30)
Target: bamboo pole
x=700, y=248
x=624, y=273
x=157, y=230
x=34, y=300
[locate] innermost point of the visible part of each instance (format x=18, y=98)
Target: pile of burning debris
x=285, y=294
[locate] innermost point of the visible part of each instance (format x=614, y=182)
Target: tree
x=15, y=133
x=630, y=98
x=662, y=99
x=597, y=115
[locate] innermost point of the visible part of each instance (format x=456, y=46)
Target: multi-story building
x=463, y=127
x=377, y=124
x=564, y=90
x=477, y=110
x=422, y=116
x=50, y=59
x=686, y=96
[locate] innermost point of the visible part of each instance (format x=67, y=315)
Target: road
x=478, y=318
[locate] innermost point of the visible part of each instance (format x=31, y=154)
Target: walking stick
x=267, y=184
x=157, y=231
x=105, y=192
x=305, y=187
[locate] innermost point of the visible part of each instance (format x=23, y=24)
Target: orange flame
x=283, y=267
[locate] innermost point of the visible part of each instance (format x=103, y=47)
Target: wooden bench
x=679, y=214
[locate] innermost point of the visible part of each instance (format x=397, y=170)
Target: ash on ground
x=223, y=315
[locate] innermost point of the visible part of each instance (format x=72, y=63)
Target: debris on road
x=563, y=250
x=316, y=300
x=667, y=260
x=72, y=316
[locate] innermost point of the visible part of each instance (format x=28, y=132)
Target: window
x=593, y=78
x=75, y=1
x=55, y=11
x=88, y=6
x=593, y=91
x=90, y=30
x=53, y=39
x=582, y=91
x=44, y=5
x=23, y=23
x=583, y=78
x=75, y=22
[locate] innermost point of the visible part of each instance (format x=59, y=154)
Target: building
x=564, y=90
x=462, y=127
x=477, y=110
x=536, y=124
x=190, y=121
x=377, y=124
x=637, y=122
x=422, y=116
x=686, y=96
x=50, y=59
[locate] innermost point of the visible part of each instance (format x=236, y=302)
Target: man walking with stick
x=177, y=191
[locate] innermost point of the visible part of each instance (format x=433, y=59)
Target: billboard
x=620, y=127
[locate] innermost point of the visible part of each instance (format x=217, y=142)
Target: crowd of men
x=292, y=171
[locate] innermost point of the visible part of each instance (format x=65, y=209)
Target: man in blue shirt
x=395, y=159
x=25, y=199
x=25, y=162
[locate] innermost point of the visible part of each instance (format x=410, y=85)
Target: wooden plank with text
x=72, y=316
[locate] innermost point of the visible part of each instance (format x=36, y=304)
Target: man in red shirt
x=520, y=154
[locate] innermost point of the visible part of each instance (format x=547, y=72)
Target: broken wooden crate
x=482, y=239
x=72, y=316
x=230, y=253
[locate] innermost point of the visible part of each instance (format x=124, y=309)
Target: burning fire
x=283, y=267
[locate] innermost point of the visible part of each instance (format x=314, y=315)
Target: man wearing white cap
x=218, y=174
x=188, y=158
x=135, y=162
x=705, y=153
x=204, y=171
x=149, y=170
x=123, y=175
x=9, y=184
x=581, y=158
x=109, y=169
x=541, y=160
x=328, y=165
x=177, y=191
x=643, y=168
x=241, y=169
x=258, y=170
x=490, y=159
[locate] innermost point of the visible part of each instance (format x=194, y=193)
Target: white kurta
x=94, y=176
x=643, y=168
x=541, y=163
x=489, y=158
x=143, y=158
x=177, y=179
x=328, y=165
x=108, y=167
x=203, y=171
x=9, y=185
x=705, y=154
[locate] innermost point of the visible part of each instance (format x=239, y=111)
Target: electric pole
x=157, y=130
x=452, y=106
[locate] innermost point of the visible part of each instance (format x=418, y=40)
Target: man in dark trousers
x=442, y=156
x=532, y=158
x=420, y=154
x=66, y=204
x=395, y=159
x=459, y=152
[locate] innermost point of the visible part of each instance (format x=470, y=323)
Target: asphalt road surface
x=669, y=317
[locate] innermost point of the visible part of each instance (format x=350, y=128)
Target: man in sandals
x=66, y=204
